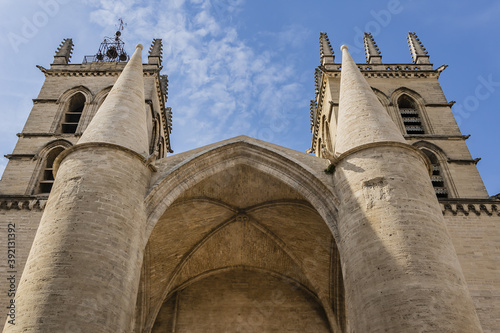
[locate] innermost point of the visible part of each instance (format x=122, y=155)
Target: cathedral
x=383, y=225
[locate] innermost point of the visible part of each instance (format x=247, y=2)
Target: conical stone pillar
x=400, y=267
x=83, y=269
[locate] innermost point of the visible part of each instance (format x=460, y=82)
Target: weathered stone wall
x=242, y=301
x=476, y=238
x=25, y=223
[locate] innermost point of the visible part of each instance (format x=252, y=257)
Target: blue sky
x=246, y=67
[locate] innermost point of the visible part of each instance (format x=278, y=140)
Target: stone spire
x=121, y=119
x=325, y=49
x=372, y=52
x=64, y=51
x=362, y=119
x=418, y=52
x=155, y=52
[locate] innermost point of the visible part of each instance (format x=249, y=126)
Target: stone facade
x=388, y=228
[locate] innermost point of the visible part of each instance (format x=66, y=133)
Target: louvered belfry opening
x=410, y=115
x=47, y=176
x=73, y=114
x=437, y=175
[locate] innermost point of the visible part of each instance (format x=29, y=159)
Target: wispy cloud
x=220, y=85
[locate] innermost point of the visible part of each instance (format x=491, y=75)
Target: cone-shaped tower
x=362, y=119
x=82, y=271
x=121, y=119
x=401, y=270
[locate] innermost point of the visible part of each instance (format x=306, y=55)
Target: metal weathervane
x=112, y=49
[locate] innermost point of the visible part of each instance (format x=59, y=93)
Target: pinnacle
x=64, y=51
x=155, y=52
x=325, y=49
x=418, y=52
x=372, y=52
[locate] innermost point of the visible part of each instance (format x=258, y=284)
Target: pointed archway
x=234, y=207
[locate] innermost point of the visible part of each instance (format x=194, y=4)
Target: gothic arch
x=442, y=159
x=241, y=150
x=63, y=104
x=419, y=104
x=56, y=146
x=175, y=198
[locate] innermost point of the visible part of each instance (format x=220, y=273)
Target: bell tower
x=66, y=104
x=412, y=96
x=68, y=101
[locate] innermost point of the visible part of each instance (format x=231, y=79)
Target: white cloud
x=219, y=85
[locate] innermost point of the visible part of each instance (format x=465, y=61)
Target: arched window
x=46, y=179
x=437, y=175
x=73, y=113
x=410, y=115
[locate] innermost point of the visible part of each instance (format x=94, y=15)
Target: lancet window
x=73, y=114
x=437, y=178
x=410, y=115
x=46, y=176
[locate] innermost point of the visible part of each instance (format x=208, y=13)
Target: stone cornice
x=18, y=156
x=94, y=69
x=58, y=135
x=20, y=202
x=436, y=137
x=44, y=100
x=466, y=207
x=387, y=70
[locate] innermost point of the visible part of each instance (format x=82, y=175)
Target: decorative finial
x=344, y=48
x=63, y=53
x=418, y=52
x=325, y=49
x=139, y=46
x=372, y=52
